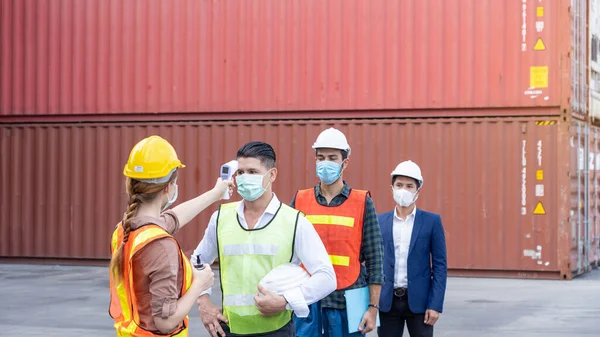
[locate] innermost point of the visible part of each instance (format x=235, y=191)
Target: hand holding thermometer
x=227, y=171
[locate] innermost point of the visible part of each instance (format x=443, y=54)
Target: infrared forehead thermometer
x=227, y=171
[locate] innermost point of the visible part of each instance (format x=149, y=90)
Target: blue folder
x=357, y=303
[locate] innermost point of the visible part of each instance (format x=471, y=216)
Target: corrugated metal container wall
x=84, y=57
x=580, y=203
x=481, y=175
x=578, y=81
x=594, y=61
x=594, y=230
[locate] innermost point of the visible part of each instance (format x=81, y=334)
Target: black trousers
x=392, y=322
x=288, y=330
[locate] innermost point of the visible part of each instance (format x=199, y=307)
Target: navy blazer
x=427, y=267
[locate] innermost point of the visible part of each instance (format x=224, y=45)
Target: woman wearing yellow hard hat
x=153, y=285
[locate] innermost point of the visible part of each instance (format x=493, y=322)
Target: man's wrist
x=203, y=299
x=284, y=301
x=287, y=305
x=373, y=307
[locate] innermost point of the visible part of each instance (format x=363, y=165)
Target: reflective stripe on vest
x=341, y=230
x=245, y=257
x=255, y=249
x=123, y=304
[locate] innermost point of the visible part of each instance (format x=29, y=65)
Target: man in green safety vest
x=251, y=238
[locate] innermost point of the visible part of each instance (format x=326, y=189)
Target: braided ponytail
x=138, y=192
x=116, y=262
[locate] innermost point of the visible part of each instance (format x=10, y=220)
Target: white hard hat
x=332, y=139
x=284, y=277
x=409, y=169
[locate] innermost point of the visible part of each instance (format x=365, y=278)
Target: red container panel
x=63, y=186
x=112, y=57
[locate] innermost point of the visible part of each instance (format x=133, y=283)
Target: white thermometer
x=227, y=171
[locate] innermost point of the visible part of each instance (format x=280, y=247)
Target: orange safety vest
x=340, y=229
x=123, y=304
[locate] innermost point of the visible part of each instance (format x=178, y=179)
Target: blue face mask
x=250, y=187
x=172, y=200
x=328, y=171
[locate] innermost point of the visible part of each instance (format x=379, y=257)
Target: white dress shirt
x=308, y=249
x=402, y=231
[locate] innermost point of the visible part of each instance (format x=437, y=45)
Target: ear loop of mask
x=342, y=169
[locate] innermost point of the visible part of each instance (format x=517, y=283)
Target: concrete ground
x=44, y=300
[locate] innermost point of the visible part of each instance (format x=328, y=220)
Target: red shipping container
x=188, y=59
x=62, y=185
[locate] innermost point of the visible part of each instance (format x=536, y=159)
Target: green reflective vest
x=245, y=257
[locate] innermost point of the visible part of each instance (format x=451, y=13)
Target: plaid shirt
x=371, y=251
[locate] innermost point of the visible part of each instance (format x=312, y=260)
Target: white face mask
x=173, y=199
x=250, y=186
x=404, y=198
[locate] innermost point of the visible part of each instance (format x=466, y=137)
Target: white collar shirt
x=402, y=232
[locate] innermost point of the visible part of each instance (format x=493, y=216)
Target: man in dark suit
x=414, y=260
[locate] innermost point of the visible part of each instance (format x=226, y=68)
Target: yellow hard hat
x=152, y=160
